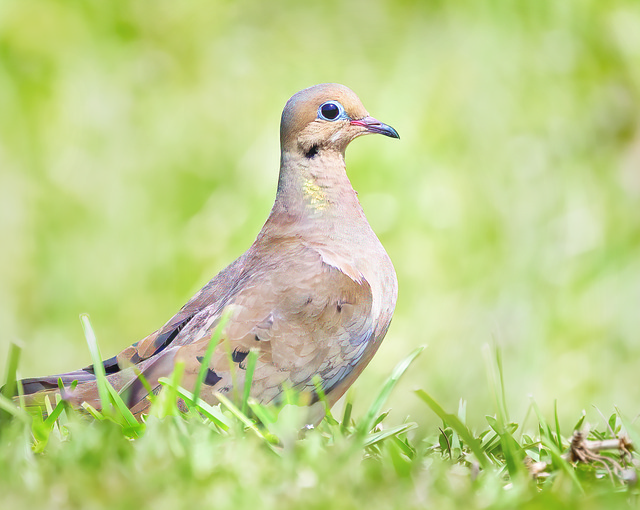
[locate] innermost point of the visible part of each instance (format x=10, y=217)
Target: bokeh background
x=139, y=156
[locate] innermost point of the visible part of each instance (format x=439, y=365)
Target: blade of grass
x=367, y=423
x=405, y=447
x=92, y=411
x=54, y=414
x=18, y=413
x=98, y=367
x=376, y=437
x=204, y=366
x=122, y=408
x=494, y=376
x=211, y=412
x=9, y=388
x=401, y=464
x=263, y=413
x=252, y=358
x=559, y=461
x=245, y=420
x=167, y=403
x=512, y=452
x=346, y=417
x=328, y=417
x=501, y=383
x=150, y=394
x=453, y=421
x=558, y=436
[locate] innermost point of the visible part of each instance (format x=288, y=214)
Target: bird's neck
x=315, y=188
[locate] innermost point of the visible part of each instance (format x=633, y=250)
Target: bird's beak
x=375, y=126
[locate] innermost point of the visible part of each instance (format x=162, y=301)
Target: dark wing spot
x=311, y=152
x=111, y=365
x=161, y=342
x=238, y=356
x=257, y=338
x=211, y=378
x=340, y=304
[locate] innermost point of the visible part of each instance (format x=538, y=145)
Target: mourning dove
x=313, y=295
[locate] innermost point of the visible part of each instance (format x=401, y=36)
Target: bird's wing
x=303, y=316
x=212, y=298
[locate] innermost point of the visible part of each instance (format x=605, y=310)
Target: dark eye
x=330, y=110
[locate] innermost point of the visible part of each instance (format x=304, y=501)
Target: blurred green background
x=139, y=156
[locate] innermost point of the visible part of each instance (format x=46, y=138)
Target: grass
x=139, y=155
x=192, y=456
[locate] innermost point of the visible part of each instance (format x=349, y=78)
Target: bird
x=313, y=296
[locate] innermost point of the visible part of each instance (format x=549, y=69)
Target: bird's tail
x=36, y=391
x=126, y=381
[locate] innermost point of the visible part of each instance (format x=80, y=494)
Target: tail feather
x=37, y=384
x=125, y=381
x=37, y=389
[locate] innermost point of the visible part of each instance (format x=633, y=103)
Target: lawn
x=139, y=156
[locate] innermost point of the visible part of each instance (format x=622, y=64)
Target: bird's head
x=326, y=116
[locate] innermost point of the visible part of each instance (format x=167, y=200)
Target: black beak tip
x=392, y=133
x=384, y=129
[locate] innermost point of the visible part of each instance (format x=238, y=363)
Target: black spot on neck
x=310, y=154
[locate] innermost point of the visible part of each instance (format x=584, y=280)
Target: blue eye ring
x=331, y=111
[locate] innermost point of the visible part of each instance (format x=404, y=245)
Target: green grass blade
x=263, y=413
x=367, y=423
x=377, y=437
x=346, y=417
x=559, y=461
x=98, y=367
x=143, y=380
x=211, y=412
x=406, y=448
x=92, y=411
x=558, y=436
x=512, y=452
x=252, y=358
x=167, y=401
x=9, y=388
x=495, y=377
x=204, y=366
x=503, y=397
x=125, y=412
x=454, y=422
x=54, y=414
x=245, y=420
x=328, y=417
x=9, y=407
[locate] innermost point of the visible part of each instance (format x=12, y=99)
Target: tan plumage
x=314, y=294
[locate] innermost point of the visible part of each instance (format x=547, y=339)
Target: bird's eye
x=330, y=110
